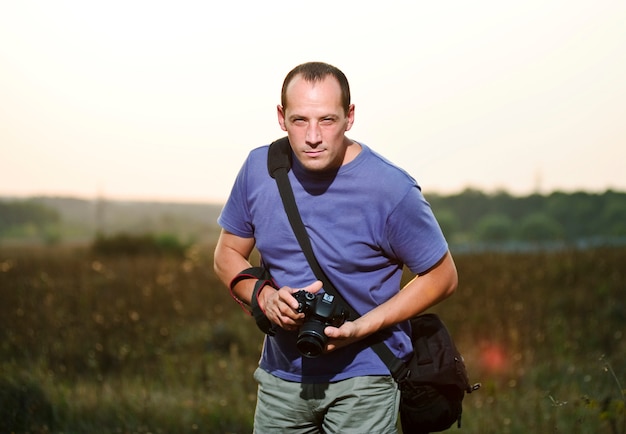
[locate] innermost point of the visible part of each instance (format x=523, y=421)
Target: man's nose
x=313, y=133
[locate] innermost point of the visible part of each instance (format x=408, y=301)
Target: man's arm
x=231, y=258
x=419, y=294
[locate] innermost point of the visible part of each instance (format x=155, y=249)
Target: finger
x=332, y=332
x=286, y=314
x=313, y=287
x=289, y=305
x=347, y=331
x=288, y=323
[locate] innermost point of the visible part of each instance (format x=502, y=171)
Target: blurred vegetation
x=135, y=245
x=29, y=219
x=122, y=343
x=470, y=219
x=112, y=320
x=136, y=343
x=565, y=218
x=54, y=220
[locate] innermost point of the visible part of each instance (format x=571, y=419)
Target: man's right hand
x=281, y=308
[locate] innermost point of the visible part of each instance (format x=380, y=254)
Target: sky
x=158, y=100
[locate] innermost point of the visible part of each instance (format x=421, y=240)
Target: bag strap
x=279, y=163
x=279, y=160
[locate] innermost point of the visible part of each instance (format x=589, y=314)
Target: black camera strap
x=279, y=160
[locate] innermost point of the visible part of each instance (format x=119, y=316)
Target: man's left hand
x=341, y=336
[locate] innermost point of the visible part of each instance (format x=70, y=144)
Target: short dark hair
x=317, y=71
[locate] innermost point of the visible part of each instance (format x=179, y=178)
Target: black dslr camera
x=320, y=311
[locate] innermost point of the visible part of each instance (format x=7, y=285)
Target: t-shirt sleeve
x=414, y=234
x=235, y=216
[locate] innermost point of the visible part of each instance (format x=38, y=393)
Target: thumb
x=313, y=287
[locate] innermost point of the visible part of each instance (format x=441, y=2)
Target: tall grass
x=138, y=344
x=544, y=333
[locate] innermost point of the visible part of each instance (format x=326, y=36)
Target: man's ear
x=350, y=117
x=281, y=117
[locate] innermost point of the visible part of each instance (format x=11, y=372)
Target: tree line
x=27, y=219
x=475, y=216
x=468, y=217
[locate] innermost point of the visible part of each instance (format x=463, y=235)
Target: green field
x=154, y=344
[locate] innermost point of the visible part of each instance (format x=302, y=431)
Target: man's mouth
x=313, y=152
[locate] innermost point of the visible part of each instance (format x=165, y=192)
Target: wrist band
x=263, y=279
x=248, y=273
x=262, y=321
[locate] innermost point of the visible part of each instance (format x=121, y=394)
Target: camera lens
x=311, y=339
x=310, y=346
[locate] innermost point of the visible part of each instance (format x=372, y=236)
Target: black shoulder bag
x=434, y=382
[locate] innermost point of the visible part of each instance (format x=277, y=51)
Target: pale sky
x=157, y=100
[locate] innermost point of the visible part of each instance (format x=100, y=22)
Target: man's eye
x=299, y=121
x=327, y=121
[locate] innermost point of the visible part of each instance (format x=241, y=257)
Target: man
x=366, y=219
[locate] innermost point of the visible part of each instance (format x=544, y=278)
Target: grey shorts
x=357, y=405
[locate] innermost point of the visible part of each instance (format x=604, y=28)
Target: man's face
x=316, y=123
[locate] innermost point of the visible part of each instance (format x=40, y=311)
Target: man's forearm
x=416, y=297
x=230, y=259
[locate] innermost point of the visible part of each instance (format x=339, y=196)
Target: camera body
x=320, y=311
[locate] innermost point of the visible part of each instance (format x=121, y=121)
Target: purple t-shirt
x=365, y=222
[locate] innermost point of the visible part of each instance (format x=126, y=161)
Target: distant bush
x=135, y=245
x=494, y=227
x=540, y=227
x=28, y=219
x=24, y=212
x=24, y=407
